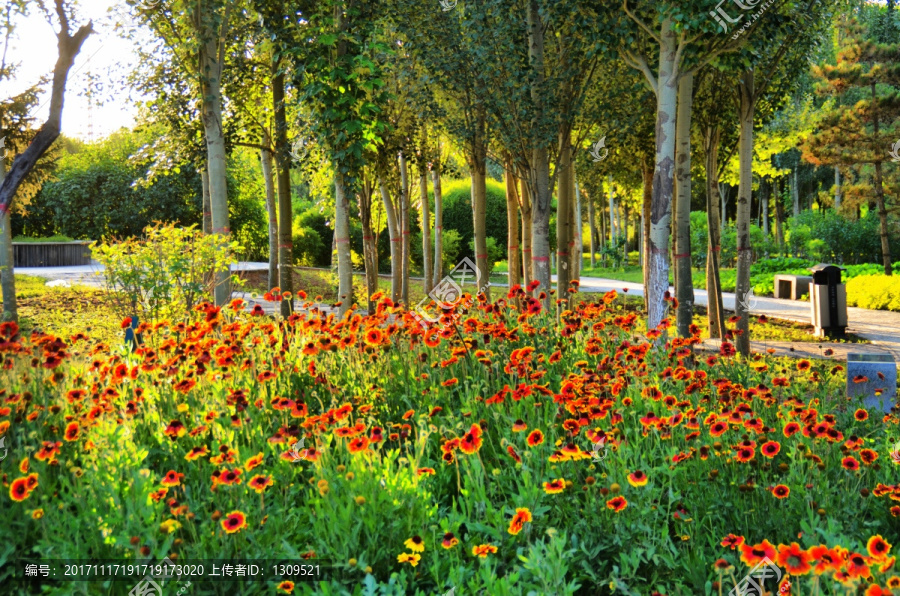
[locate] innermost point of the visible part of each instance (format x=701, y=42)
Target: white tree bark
x=612, y=211
x=438, y=271
x=795, y=193
x=426, y=228
x=540, y=171
x=578, y=256
x=747, y=107
x=663, y=175
x=404, y=230
x=265, y=158
x=684, y=286
x=211, y=68
x=837, y=189
x=342, y=240
x=394, y=233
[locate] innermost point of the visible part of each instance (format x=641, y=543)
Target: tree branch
x=639, y=62
x=640, y=22
x=69, y=46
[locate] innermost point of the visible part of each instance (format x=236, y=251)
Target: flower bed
x=498, y=452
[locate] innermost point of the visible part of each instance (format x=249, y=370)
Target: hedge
x=877, y=292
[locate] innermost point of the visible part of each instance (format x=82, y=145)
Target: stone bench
x=869, y=366
x=792, y=287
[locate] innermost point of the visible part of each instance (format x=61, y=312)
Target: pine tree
x=865, y=120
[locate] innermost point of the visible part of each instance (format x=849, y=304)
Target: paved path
x=880, y=327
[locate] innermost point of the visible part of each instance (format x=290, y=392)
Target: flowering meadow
x=500, y=451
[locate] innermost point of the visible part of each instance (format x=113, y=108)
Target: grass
x=65, y=311
x=629, y=273
x=57, y=238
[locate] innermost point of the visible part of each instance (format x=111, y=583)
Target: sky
x=104, y=59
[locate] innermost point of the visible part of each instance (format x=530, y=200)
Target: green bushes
x=458, y=210
x=312, y=239
x=164, y=274
x=93, y=194
x=96, y=194
x=879, y=292
x=56, y=238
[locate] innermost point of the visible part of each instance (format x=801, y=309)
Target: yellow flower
x=182, y=408
x=352, y=562
x=37, y=514
x=411, y=558
x=169, y=526
x=415, y=544
x=360, y=500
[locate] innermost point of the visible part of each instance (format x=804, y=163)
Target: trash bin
x=828, y=297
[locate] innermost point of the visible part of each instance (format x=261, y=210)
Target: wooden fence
x=51, y=254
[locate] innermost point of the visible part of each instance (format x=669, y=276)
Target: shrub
x=57, y=238
x=880, y=292
x=312, y=239
x=451, y=243
x=457, y=213
x=164, y=274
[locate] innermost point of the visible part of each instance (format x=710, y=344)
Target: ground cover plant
x=494, y=452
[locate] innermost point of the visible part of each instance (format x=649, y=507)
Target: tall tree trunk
x=370, y=245
x=563, y=213
x=285, y=209
x=601, y=213
x=438, y=222
x=512, y=223
x=663, y=175
x=578, y=253
x=715, y=314
x=342, y=240
x=478, y=175
x=882, y=218
x=426, y=228
x=723, y=196
x=837, y=189
x=207, y=213
x=265, y=158
x=394, y=232
x=404, y=229
x=779, y=214
x=764, y=206
x=540, y=173
x=646, y=210
x=592, y=223
x=684, y=285
x=795, y=192
x=747, y=107
x=525, y=208
x=211, y=68
x=7, y=274
x=613, y=235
